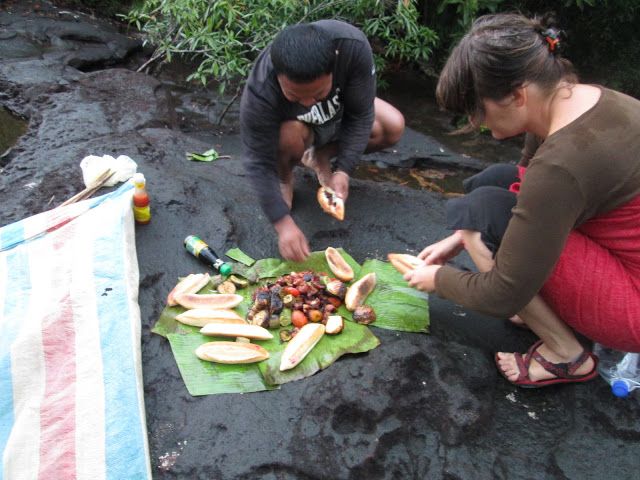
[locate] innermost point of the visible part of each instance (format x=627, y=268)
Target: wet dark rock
x=418, y=406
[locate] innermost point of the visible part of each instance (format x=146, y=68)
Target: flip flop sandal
x=564, y=372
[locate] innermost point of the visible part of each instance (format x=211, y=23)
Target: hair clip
x=552, y=37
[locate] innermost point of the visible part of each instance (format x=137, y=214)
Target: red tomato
x=292, y=291
x=335, y=301
x=299, y=319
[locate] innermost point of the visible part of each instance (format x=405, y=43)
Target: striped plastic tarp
x=71, y=397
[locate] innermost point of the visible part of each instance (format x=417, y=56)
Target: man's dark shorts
x=486, y=207
x=327, y=132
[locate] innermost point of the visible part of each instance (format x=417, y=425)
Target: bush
x=601, y=34
x=225, y=36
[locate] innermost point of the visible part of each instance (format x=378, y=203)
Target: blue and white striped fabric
x=71, y=393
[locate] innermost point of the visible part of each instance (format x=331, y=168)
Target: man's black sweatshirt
x=264, y=107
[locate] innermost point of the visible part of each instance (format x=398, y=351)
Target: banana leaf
x=317, y=262
x=397, y=307
x=239, y=256
x=206, y=378
x=354, y=338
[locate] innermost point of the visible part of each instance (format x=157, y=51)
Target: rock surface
x=419, y=406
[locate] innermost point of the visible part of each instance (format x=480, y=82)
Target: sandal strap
x=524, y=361
x=561, y=370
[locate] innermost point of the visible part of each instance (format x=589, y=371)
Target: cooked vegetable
x=358, y=292
x=299, y=319
x=315, y=316
x=238, y=282
x=231, y=352
x=338, y=265
x=212, y=301
x=335, y=325
x=364, y=314
x=300, y=345
x=192, y=283
x=285, y=317
x=236, y=330
x=227, y=287
x=261, y=318
x=199, y=317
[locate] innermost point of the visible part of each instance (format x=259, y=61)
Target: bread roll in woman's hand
x=404, y=262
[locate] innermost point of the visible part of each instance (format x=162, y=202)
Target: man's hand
x=340, y=184
x=423, y=278
x=291, y=241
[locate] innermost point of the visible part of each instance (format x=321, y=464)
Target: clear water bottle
x=620, y=369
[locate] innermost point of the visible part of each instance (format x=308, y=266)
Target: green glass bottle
x=199, y=249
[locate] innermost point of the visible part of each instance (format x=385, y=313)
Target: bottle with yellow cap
x=141, y=208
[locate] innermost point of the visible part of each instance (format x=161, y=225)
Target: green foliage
x=601, y=38
x=601, y=34
x=225, y=36
x=468, y=10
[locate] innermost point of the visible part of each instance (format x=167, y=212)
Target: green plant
x=468, y=10
x=225, y=36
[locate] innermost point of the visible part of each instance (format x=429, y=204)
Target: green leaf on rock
x=239, y=256
x=397, y=306
x=206, y=378
x=353, y=339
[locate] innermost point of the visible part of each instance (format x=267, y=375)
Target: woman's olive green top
x=587, y=168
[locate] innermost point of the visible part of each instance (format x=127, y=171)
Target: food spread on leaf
x=296, y=299
x=303, y=306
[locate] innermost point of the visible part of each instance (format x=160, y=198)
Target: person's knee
x=497, y=175
x=389, y=127
x=394, y=128
x=294, y=136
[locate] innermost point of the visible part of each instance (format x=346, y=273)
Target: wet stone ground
x=418, y=406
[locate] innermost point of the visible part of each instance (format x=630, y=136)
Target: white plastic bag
x=93, y=166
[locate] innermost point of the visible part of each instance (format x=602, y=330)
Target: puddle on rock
x=11, y=129
x=414, y=95
x=444, y=180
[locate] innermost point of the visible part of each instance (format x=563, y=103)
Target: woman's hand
x=423, y=278
x=441, y=252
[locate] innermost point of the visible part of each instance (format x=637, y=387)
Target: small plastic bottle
x=620, y=369
x=141, y=208
x=199, y=249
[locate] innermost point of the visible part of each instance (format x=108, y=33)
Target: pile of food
x=303, y=306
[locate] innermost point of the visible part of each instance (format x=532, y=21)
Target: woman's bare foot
x=509, y=367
